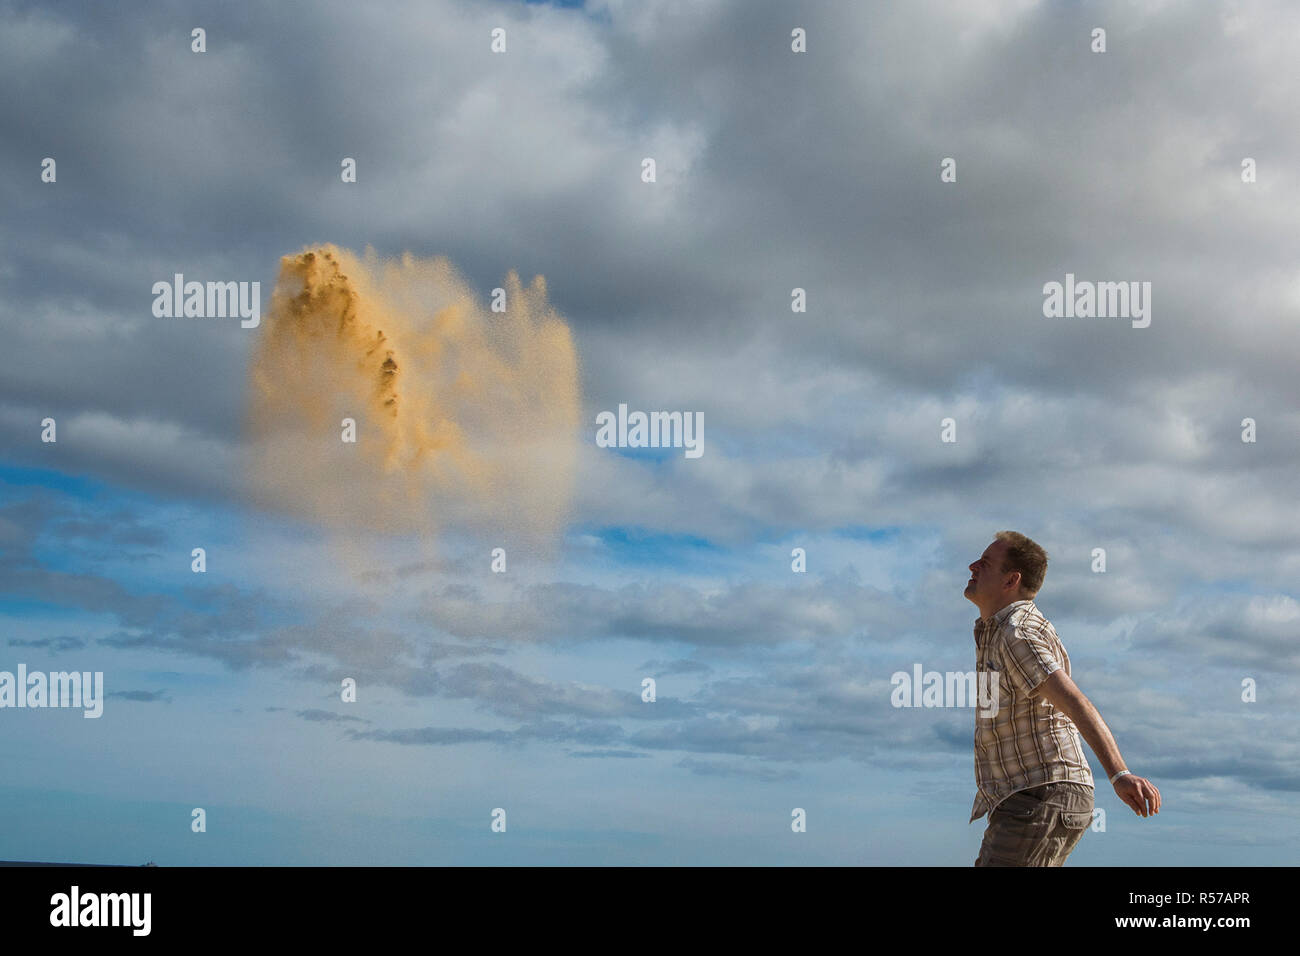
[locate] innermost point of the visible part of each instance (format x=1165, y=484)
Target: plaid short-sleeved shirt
x=1027, y=742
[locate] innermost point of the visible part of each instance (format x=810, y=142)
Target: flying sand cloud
x=463, y=416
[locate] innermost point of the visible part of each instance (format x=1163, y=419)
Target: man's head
x=1010, y=569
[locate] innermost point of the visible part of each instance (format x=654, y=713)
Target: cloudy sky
x=775, y=170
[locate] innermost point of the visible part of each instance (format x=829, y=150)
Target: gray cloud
x=600, y=754
x=328, y=716
x=712, y=768
x=142, y=696
x=550, y=731
x=61, y=643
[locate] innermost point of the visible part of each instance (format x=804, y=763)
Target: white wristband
x=1118, y=775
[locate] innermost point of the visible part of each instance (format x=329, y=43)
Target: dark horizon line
x=108, y=865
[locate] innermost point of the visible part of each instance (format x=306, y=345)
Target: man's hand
x=1063, y=694
x=1139, y=793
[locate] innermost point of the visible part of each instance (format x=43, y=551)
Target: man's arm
x=1138, y=792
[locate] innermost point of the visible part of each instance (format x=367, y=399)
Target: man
x=1032, y=776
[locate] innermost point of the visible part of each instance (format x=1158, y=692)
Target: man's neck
x=990, y=614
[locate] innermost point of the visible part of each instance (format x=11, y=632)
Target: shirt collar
x=985, y=623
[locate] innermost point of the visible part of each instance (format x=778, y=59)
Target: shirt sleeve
x=1029, y=658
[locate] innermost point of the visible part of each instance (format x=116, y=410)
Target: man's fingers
x=1140, y=794
x=1155, y=797
x=1140, y=801
x=1149, y=796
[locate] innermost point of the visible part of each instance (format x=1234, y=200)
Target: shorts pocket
x=1075, y=819
x=1019, y=806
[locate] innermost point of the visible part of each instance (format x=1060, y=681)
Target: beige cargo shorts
x=1038, y=826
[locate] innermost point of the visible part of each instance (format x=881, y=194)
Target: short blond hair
x=1025, y=556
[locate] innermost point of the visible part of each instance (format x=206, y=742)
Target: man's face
x=987, y=577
